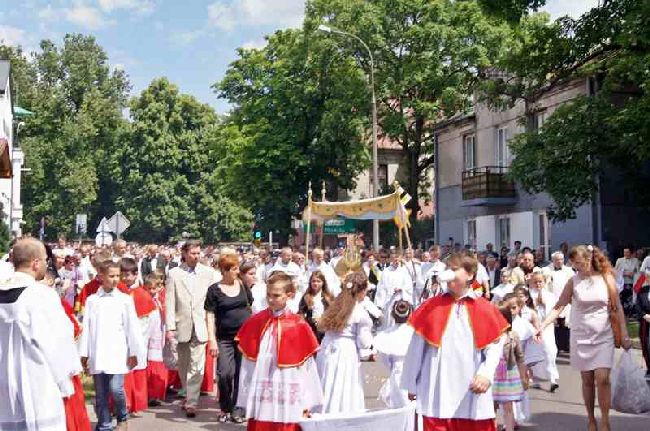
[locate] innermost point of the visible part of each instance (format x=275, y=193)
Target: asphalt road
x=560, y=411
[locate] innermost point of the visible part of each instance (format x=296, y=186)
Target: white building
x=11, y=156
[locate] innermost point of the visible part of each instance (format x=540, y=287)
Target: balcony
x=488, y=185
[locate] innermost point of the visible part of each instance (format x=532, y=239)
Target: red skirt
x=76, y=416
x=157, y=377
x=174, y=380
x=135, y=389
x=255, y=425
x=435, y=424
x=208, y=373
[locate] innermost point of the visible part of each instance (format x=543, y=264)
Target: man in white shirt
x=395, y=284
x=264, y=265
x=37, y=352
x=559, y=274
x=110, y=345
x=318, y=264
x=414, y=270
x=284, y=264
x=628, y=267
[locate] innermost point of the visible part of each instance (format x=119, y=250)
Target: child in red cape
x=157, y=373
x=279, y=382
x=452, y=357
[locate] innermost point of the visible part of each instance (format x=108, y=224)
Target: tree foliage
x=427, y=57
x=295, y=119
x=591, y=136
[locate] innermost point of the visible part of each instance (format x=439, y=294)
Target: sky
x=191, y=42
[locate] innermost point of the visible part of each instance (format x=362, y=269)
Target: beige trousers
x=191, y=364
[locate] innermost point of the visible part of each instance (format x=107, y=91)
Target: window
x=544, y=236
x=502, y=150
x=536, y=120
x=471, y=233
x=503, y=231
x=382, y=177
x=469, y=152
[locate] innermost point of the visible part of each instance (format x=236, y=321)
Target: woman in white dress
x=592, y=338
x=348, y=338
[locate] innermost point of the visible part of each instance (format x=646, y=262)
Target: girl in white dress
x=348, y=338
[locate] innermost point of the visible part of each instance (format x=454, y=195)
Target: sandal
x=223, y=417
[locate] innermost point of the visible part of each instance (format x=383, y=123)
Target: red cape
x=639, y=283
x=70, y=313
x=430, y=320
x=144, y=303
x=91, y=288
x=296, y=341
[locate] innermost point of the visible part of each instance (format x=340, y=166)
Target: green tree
x=69, y=142
x=593, y=136
x=169, y=166
x=428, y=55
x=295, y=118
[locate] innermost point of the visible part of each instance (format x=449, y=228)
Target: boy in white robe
x=279, y=382
x=37, y=352
x=452, y=357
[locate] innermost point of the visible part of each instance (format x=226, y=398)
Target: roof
x=5, y=67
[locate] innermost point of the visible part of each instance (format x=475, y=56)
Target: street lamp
x=375, y=179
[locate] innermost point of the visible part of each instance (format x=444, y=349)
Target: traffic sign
x=118, y=223
x=81, y=224
x=103, y=238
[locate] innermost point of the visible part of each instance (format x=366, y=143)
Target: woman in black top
x=228, y=305
x=315, y=301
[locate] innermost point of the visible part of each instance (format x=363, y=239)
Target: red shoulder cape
x=144, y=303
x=296, y=341
x=430, y=320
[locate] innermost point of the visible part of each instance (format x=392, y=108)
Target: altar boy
x=279, y=382
x=110, y=345
x=453, y=355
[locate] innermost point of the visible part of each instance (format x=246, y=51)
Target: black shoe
x=155, y=403
x=554, y=387
x=190, y=412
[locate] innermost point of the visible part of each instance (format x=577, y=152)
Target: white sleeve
x=493, y=354
x=381, y=297
x=413, y=364
x=364, y=335
x=246, y=371
x=133, y=330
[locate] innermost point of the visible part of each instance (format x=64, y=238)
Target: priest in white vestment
x=451, y=360
x=395, y=284
x=37, y=351
x=318, y=264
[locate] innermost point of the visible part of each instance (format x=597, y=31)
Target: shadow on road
x=567, y=422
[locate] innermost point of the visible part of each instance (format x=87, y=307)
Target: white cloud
x=187, y=37
x=12, y=35
x=143, y=6
x=573, y=8
x=86, y=16
x=255, y=44
x=226, y=15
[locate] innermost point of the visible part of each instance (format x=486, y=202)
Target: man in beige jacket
x=187, y=286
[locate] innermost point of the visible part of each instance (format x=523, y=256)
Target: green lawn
x=633, y=328
x=89, y=388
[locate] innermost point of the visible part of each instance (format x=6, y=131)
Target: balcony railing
x=488, y=182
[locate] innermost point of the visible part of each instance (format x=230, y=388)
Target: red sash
x=430, y=320
x=296, y=341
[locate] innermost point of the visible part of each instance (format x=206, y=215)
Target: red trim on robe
x=255, y=425
x=135, y=389
x=157, y=380
x=70, y=313
x=296, y=341
x=144, y=303
x=430, y=319
x=639, y=283
x=207, y=385
x=76, y=416
x=436, y=424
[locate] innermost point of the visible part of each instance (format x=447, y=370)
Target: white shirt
x=291, y=269
x=627, y=265
x=112, y=332
x=482, y=274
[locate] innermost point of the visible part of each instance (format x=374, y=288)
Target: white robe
x=37, y=358
x=548, y=369
x=391, y=346
x=395, y=284
x=273, y=394
x=339, y=367
x=440, y=377
x=414, y=270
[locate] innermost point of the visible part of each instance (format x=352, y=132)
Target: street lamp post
x=375, y=179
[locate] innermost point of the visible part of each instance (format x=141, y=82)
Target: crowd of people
x=283, y=334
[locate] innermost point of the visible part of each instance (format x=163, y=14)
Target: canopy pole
x=307, y=236
x=401, y=244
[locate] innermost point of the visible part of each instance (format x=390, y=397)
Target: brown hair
x=522, y=288
x=469, y=264
x=190, y=244
x=600, y=264
x=227, y=262
x=245, y=267
x=308, y=297
x=128, y=264
x=506, y=313
x=337, y=315
x=281, y=278
x=106, y=265
x=152, y=279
